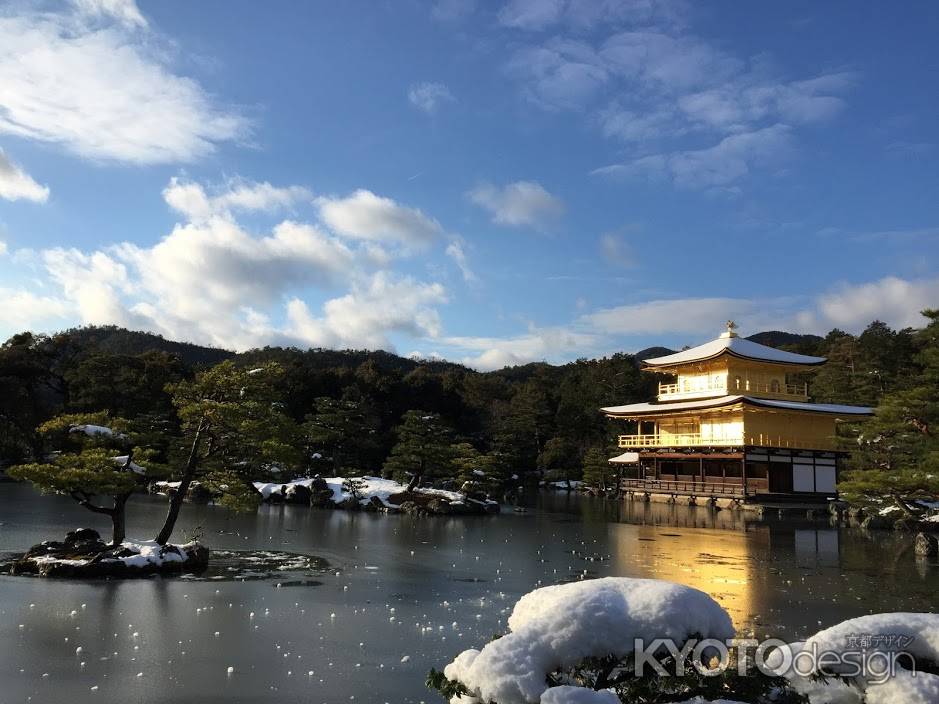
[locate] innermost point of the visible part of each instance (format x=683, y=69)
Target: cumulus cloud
x=104, y=90
x=366, y=316
x=124, y=11
x=364, y=215
x=24, y=310
x=893, y=300
x=523, y=203
x=211, y=280
x=429, y=96
x=16, y=184
x=190, y=199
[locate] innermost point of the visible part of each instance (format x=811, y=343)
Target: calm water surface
x=401, y=594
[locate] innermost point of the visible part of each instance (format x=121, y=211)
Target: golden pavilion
x=734, y=419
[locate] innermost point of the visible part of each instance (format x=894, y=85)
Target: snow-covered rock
x=558, y=626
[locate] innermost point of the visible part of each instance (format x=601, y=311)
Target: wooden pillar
x=701, y=468
x=743, y=472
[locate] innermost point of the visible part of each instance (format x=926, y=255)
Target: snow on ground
x=370, y=487
x=146, y=553
x=558, y=626
x=564, y=485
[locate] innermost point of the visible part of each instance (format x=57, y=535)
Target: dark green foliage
x=596, y=673
x=422, y=451
x=598, y=472
x=896, y=454
x=343, y=432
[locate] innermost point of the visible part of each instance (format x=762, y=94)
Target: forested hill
x=540, y=415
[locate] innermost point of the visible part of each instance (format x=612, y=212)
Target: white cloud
x=364, y=215
x=16, y=184
x=190, y=199
x=212, y=281
x=455, y=250
x=523, y=203
x=895, y=301
x=720, y=165
x=4, y=248
x=366, y=316
x=538, y=344
x=24, y=310
x=103, y=91
x=429, y=96
x=124, y=11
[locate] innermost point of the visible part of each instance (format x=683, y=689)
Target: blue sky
x=492, y=183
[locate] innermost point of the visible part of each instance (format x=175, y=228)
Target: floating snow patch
x=558, y=626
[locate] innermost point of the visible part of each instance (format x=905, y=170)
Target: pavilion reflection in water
x=710, y=552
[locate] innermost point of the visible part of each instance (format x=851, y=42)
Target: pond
x=388, y=597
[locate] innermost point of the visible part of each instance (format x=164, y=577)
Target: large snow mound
x=558, y=626
x=878, y=634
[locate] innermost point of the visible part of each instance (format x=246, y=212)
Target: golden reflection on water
x=720, y=561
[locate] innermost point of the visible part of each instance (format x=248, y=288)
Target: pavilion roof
x=737, y=347
x=636, y=410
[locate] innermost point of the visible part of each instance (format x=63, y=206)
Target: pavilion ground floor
x=753, y=473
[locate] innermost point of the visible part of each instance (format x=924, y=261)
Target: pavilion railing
x=698, y=440
x=745, y=386
x=685, y=488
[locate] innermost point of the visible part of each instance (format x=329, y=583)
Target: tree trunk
x=176, y=500
x=119, y=520
x=416, y=478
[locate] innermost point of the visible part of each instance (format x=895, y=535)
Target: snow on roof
x=558, y=626
x=737, y=346
x=625, y=458
x=641, y=409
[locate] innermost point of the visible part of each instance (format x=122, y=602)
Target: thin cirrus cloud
x=92, y=81
x=674, y=100
x=16, y=184
x=519, y=204
x=429, y=97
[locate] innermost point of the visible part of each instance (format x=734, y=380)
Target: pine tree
x=234, y=430
x=94, y=461
x=337, y=430
x=422, y=450
x=598, y=472
x=897, y=452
